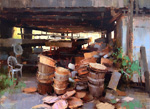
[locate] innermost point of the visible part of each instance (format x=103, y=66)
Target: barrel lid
x=46, y=57
x=96, y=66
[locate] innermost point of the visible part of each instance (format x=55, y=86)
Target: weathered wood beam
x=59, y=43
x=116, y=17
x=67, y=9
x=144, y=65
x=55, y=17
x=9, y=42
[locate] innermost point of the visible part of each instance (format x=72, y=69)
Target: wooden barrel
x=45, y=68
x=56, y=81
x=95, y=81
x=60, y=84
x=95, y=90
x=62, y=74
x=46, y=60
x=97, y=67
x=45, y=77
x=59, y=90
x=94, y=75
x=45, y=88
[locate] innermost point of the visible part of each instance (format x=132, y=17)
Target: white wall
x=141, y=31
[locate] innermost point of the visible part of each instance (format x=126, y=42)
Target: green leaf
x=113, y=101
x=126, y=58
x=124, y=63
x=119, y=56
x=129, y=63
x=122, y=71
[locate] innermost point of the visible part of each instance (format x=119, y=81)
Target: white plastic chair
x=12, y=63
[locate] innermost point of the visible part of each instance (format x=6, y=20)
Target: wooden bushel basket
x=95, y=81
x=62, y=74
x=60, y=86
x=56, y=81
x=59, y=90
x=45, y=68
x=46, y=60
x=45, y=78
x=96, y=75
x=45, y=88
x=97, y=67
x=96, y=91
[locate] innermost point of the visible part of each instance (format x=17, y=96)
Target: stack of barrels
x=96, y=79
x=46, y=69
x=82, y=70
x=61, y=80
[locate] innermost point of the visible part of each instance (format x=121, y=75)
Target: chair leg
x=9, y=74
x=12, y=74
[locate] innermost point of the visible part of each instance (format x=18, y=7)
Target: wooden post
x=108, y=37
x=21, y=33
x=118, y=33
x=130, y=31
x=27, y=33
x=71, y=35
x=144, y=64
x=137, y=6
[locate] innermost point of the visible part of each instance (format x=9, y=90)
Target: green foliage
x=6, y=84
x=113, y=101
x=126, y=66
x=132, y=105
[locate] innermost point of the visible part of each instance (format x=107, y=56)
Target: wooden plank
x=58, y=9
x=9, y=42
x=145, y=68
x=116, y=17
x=59, y=43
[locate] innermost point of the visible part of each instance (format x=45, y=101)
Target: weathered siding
x=144, y=3
x=63, y=3
x=141, y=31
x=70, y=3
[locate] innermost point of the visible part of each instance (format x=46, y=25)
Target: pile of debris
x=72, y=100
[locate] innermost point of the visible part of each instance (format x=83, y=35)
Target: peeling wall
x=144, y=3
x=141, y=31
x=63, y=3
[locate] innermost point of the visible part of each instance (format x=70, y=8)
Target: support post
x=27, y=33
x=144, y=64
x=130, y=31
x=108, y=37
x=118, y=33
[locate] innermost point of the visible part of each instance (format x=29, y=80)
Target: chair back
x=12, y=61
